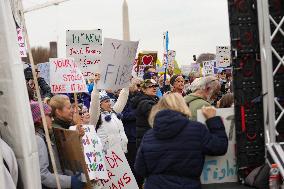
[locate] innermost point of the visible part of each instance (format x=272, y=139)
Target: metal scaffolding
x=270, y=101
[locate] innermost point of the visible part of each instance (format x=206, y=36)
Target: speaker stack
x=250, y=149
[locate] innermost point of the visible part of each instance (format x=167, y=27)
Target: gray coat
x=48, y=178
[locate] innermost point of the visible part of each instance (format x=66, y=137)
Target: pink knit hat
x=36, y=111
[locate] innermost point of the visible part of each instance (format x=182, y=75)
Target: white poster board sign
x=93, y=152
x=21, y=42
x=221, y=169
x=171, y=58
x=66, y=77
x=85, y=46
x=117, y=61
x=43, y=69
x=223, y=56
x=119, y=172
x=208, y=67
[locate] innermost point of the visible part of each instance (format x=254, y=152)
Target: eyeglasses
x=153, y=86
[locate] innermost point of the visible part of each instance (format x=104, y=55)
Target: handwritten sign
x=43, y=69
x=93, y=152
x=171, y=58
x=223, y=56
x=21, y=42
x=66, y=77
x=221, y=169
x=119, y=172
x=208, y=67
x=117, y=61
x=70, y=152
x=85, y=46
x=147, y=58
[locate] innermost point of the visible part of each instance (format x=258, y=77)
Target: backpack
x=259, y=177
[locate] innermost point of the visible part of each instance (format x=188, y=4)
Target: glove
x=76, y=183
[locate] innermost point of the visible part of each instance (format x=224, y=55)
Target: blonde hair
x=57, y=102
x=171, y=101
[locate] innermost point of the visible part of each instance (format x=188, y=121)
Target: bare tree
x=205, y=57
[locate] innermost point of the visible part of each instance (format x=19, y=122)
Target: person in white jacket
x=109, y=127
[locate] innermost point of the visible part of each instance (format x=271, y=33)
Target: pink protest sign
x=66, y=77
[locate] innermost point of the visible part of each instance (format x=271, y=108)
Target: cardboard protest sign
x=66, y=77
x=221, y=169
x=70, y=152
x=208, y=67
x=117, y=61
x=43, y=69
x=223, y=56
x=119, y=172
x=171, y=58
x=21, y=42
x=85, y=46
x=146, y=58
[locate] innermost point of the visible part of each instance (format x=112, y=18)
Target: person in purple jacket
x=172, y=153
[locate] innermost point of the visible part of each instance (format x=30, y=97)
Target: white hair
x=203, y=82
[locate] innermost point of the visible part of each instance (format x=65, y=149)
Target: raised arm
x=121, y=101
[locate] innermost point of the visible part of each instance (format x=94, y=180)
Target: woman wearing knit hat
x=109, y=127
x=177, y=82
x=46, y=172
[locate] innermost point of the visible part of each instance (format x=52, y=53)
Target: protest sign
x=221, y=169
x=85, y=46
x=21, y=42
x=117, y=61
x=146, y=58
x=208, y=67
x=43, y=69
x=171, y=58
x=93, y=152
x=119, y=172
x=223, y=57
x=66, y=77
x=194, y=68
x=70, y=152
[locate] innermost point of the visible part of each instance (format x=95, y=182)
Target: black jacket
x=171, y=154
x=142, y=104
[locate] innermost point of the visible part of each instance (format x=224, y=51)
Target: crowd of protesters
x=154, y=121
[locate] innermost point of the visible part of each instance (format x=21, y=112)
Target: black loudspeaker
x=247, y=84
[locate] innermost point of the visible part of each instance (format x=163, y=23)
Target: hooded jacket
x=195, y=103
x=142, y=104
x=172, y=154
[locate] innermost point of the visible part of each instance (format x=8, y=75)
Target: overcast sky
x=195, y=26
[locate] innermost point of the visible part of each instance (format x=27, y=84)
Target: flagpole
x=166, y=47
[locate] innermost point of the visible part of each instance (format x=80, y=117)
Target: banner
x=146, y=58
x=171, y=58
x=221, y=169
x=66, y=77
x=119, y=172
x=223, y=56
x=70, y=152
x=21, y=42
x=117, y=61
x=208, y=67
x=85, y=46
x=43, y=69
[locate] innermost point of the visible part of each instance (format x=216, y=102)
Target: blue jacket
x=171, y=154
x=129, y=120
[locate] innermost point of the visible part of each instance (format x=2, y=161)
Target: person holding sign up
x=46, y=171
x=109, y=127
x=171, y=155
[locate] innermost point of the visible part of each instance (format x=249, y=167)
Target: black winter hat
x=28, y=73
